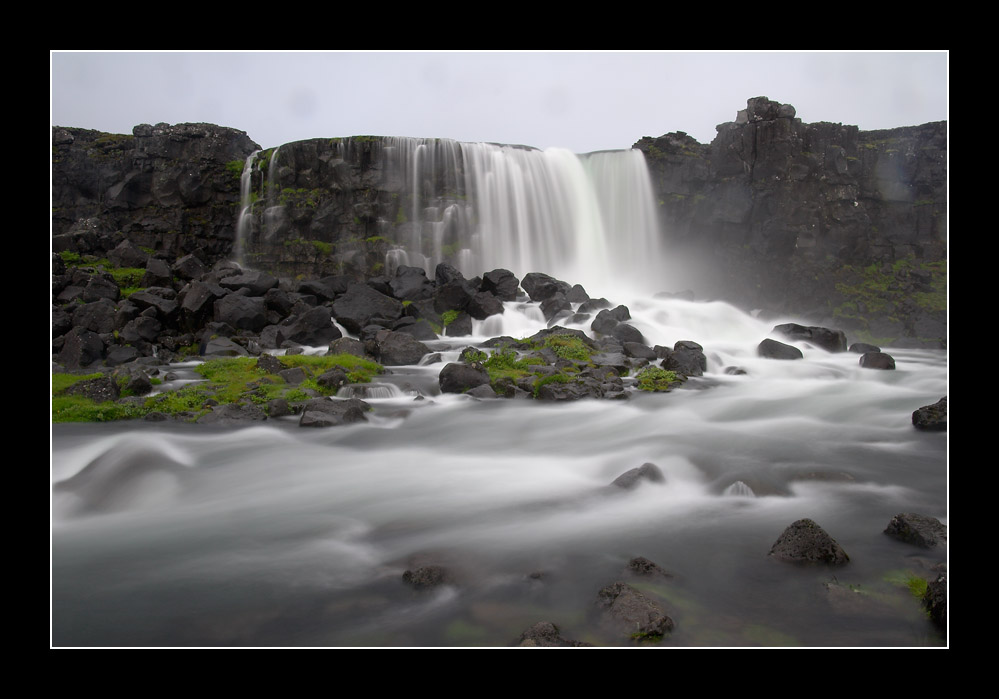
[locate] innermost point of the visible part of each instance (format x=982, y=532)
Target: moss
x=657, y=379
x=448, y=317
x=323, y=248
x=235, y=168
x=568, y=347
x=227, y=380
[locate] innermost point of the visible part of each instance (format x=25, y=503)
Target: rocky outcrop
x=820, y=219
x=169, y=189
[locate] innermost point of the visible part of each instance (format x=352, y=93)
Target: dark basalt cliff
x=174, y=189
x=823, y=220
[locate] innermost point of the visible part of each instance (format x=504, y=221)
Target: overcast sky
x=582, y=101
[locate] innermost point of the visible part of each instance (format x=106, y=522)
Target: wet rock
x=326, y=412
x=460, y=326
x=630, y=480
x=918, y=530
x=313, y=327
x=772, y=349
x=501, y=283
x=863, y=347
x=931, y=418
x=347, y=345
x=80, y=349
x=428, y=577
x=459, y=378
x=644, y=567
x=877, y=360
x=541, y=286
x=355, y=309
x=233, y=413
x=829, y=340
x=806, y=542
x=935, y=601
x=545, y=634
x=634, y=613
x=400, y=349
x=686, y=358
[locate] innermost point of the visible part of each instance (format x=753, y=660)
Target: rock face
x=820, y=220
x=817, y=219
x=174, y=189
x=806, y=542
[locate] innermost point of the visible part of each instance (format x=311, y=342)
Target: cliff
x=821, y=220
x=842, y=225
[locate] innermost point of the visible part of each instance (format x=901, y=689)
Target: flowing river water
x=276, y=535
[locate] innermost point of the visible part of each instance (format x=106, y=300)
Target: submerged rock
x=428, y=577
x=644, y=567
x=632, y=612
x=772, y=349
x=877, y=360
x=546, y=634
x=918, y=530
x=806, y=542
x=630, y=480
x=829, y=340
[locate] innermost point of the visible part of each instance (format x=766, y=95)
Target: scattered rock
x=918, y=530
x=931, y=418
x=772, y=349
x=546, y=634
x=806, y=542
x=632, y=612
x=633, y=478
x=877, y=360
x=428, y=577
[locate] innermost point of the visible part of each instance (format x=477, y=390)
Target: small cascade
x=738, y=490
x=245, y=208
x=368, y=391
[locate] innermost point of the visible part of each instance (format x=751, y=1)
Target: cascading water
x=588, y=219
x=276, y=535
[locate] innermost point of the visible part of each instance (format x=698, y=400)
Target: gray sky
x=583, y=101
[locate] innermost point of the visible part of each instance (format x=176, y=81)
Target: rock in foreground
x=806, y=542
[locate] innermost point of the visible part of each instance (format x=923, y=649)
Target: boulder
x=935, y=601
x=545, y=634
x=501, y=283
x=128, y=254
x=862, y=347
x=829, y=340
x=919, y=530
x=643, y=567
x=629, y=480
x=313, y=328
x=772, y=349
x=541, y=286
x=457, y=377
x=242, y=312
x=634, y=613
x=428, y=577
x=411, y=284
x=805, y=541
x=399, y=348
x=931, y=418
x=877, y=360
x=355, y=309
x=326, y=412
x=81, y=348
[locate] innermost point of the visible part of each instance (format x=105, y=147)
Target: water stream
x=276, y=535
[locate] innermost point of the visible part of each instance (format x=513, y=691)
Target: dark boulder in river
x=806, y=542
x=932, y=418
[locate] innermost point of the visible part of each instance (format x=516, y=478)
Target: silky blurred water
x=275, y=535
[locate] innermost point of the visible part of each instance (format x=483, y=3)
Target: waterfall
x=587, y=218
x=245, y=207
